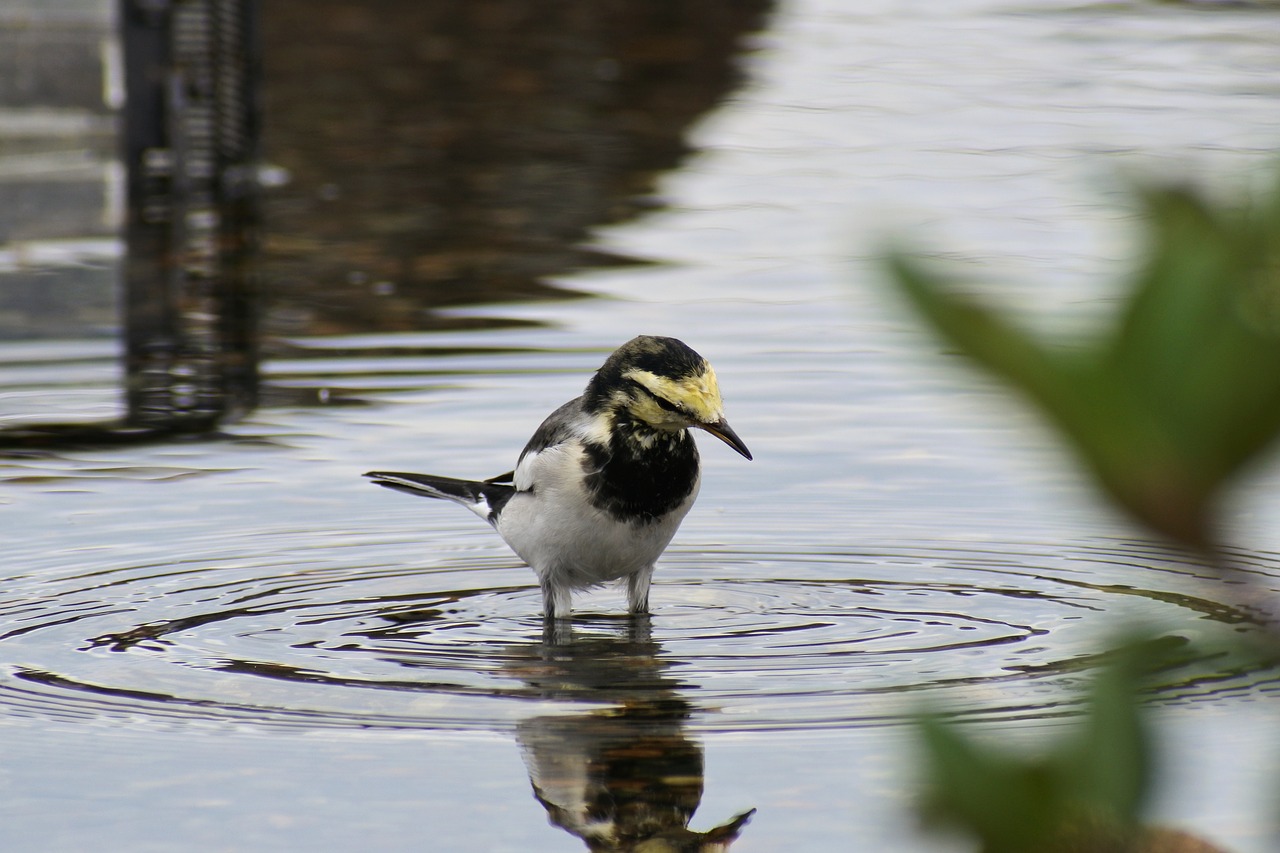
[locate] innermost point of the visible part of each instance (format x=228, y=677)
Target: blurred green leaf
x=1086, y=792
x=1107, y=766
x=1007, y=803
x=1184, y=391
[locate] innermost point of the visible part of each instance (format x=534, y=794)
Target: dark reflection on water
x=626, y=775
x=459, y=152
x=437, y=154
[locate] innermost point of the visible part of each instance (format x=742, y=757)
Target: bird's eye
x=663, y=402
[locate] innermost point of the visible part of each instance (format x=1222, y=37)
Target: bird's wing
x=560, y=426
x=563, y=426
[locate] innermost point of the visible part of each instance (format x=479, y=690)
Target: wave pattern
x=751, y=640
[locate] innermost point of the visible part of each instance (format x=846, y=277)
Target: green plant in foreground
x=1165, y=408
x=1086, y=793
x=1183, y=392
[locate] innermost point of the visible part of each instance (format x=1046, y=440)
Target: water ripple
x=314, y=637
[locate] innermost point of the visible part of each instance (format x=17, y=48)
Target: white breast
x=552, y=525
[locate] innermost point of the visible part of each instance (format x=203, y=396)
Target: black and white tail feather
x=485, y=498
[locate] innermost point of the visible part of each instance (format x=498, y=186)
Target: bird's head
x=664, y=384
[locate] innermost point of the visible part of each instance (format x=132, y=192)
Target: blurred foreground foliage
x=1182, y=392
x=1084, y=793
x=1166, y=407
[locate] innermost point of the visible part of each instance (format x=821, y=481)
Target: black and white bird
x=605, y=481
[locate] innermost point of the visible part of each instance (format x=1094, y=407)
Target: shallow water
x=241, y=644
x=342, y=632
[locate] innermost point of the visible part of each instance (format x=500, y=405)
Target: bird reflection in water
x=625, y=778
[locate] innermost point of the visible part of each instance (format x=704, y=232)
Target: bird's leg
x=638, y=591
x=557, y=603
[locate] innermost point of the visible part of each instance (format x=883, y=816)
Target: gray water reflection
x=59, y=179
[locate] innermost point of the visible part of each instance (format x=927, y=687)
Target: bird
x=601, y=487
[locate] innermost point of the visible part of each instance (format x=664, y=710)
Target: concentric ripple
x=748, y=639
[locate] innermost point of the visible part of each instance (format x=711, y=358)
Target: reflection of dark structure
x=458, y=151
x=627, y=777
x=190, y=149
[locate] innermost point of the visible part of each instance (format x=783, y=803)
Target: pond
x=239, y=644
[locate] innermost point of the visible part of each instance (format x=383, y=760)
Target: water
x=243, y=645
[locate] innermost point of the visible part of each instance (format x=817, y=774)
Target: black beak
x=721, y=430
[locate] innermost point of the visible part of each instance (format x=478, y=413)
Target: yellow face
x=694, y=400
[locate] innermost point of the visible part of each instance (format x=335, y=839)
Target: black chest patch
x=643, y=474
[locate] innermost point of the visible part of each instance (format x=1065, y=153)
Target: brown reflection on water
x=460, y=151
